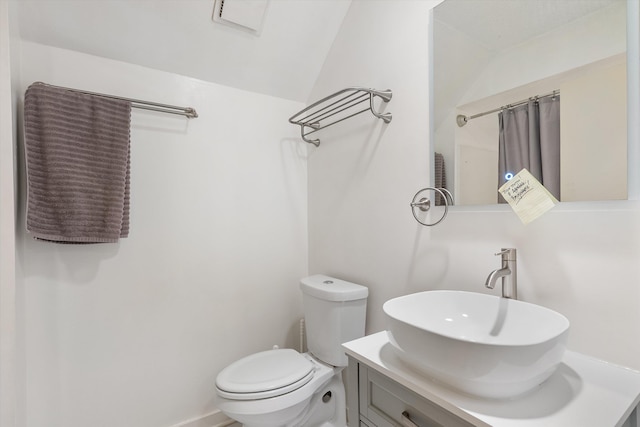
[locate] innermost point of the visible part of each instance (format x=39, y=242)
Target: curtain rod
x=462, y=120
x=189, y=112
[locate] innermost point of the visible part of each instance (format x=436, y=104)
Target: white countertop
x=583, y=391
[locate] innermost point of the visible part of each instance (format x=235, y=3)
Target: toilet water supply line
x=302, y=335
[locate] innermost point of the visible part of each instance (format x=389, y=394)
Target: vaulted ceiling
x=180, y=36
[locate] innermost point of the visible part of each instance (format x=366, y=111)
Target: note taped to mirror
x=527, y=197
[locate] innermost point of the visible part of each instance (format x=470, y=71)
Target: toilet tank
x=334, y=312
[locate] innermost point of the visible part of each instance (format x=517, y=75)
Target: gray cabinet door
x=385, y=403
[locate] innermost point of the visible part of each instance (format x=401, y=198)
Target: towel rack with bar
x=337, y=107
x=189, y=112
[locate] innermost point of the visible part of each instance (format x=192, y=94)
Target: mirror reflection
x=535, y=84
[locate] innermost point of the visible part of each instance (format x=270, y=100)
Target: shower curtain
x=530, y=138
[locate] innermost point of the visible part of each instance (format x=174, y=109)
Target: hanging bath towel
x=440, y=177
x=78, y=161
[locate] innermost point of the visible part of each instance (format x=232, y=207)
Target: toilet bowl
x=281, y=388
x=285, y=388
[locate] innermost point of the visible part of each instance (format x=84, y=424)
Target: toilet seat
x=266, y=374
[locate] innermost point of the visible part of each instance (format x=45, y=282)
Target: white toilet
x=284, y=388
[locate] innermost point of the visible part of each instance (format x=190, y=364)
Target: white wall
x=579, y=259
x=458, y=58
x=476, y=167
x=584, y=41
x=595, y=133
x=133, y=334
x=364, y=174
x=8, y=74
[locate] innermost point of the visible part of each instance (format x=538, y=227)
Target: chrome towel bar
x=337, y=107
x=188, y=112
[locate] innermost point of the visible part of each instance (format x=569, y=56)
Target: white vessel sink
x=480, y=344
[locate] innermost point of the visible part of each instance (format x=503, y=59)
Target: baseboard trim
x=213, y=419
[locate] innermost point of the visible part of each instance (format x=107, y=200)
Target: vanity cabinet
x=385, y=403
x=383, y=392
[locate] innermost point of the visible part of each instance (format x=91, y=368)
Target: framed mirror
x=493, y=57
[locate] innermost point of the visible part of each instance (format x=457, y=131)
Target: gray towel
x=78, y=162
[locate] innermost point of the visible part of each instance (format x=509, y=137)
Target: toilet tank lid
x=332, y=289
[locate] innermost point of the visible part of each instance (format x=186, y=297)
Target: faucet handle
x=507, y=253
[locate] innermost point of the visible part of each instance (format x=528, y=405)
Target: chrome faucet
x=508, y=274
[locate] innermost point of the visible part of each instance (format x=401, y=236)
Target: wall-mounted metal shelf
x=337, y=107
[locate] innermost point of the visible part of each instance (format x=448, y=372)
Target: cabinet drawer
x=383, y=402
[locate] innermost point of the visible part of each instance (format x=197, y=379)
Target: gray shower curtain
x=530, y=138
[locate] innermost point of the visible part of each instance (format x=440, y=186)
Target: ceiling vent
x=247, y=15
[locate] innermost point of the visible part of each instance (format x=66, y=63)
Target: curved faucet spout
x=495, y=275
x=508, y=274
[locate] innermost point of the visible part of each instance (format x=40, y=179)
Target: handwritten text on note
x=526, y=196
